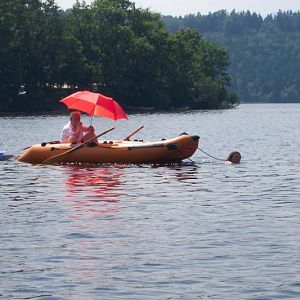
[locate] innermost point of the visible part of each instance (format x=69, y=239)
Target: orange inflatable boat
x=128, y=152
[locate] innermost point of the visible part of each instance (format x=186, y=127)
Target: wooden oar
x=49, y=160
x=134, y=132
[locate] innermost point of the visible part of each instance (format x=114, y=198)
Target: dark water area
x=202, y=230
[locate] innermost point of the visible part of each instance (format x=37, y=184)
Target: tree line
x=111, y=47
x=264, y=52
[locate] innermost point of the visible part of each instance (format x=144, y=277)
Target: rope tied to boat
x=234, y=157
x=210, y=155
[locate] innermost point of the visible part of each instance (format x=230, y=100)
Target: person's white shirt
x=67, y=132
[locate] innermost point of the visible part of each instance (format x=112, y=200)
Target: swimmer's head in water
x=234, y=157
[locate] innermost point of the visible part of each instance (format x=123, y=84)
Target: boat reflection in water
x=94, y=190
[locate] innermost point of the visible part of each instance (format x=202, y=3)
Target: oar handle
x=77, y=147
x=133, y=133
x=97, y=136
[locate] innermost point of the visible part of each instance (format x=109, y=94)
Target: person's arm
x=90, y=129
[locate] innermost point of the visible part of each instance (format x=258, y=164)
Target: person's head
x=75, y=117
x=234, y=157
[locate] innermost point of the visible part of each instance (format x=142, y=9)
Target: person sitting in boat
x=234, y=157
x=75, y=132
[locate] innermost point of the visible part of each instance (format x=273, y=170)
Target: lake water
x=204, y=230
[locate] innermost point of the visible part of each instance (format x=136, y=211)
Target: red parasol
x=95, y=104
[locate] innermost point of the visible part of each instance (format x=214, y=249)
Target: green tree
x=264, y=53
x=109, y=46
x=31, y=36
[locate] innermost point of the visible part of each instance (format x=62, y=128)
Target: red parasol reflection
x=94, y=190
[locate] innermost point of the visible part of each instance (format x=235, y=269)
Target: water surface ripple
x=206, y=230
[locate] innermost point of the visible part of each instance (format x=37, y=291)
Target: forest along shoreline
x=109, y=47
x=143, y=59
x=264, y=51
